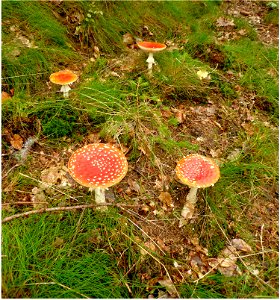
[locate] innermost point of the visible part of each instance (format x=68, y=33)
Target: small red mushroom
x=196, y=171
x=64, y=78
x=98, y=166
x=151, y=48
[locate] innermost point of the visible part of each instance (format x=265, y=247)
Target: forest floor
x=229, y=248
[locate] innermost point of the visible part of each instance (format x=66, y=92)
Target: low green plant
x=57, y=117
x=177, y=76
x=63, y=256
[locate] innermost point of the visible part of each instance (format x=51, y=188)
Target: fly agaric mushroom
x=64, y=78
x=151, y=48
x=196, y=171
x=98, y=166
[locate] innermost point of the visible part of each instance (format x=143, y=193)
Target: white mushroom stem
x=65, y=90
x=189, y=205
x=100, y=197
x=191, y=197
x=150, y=60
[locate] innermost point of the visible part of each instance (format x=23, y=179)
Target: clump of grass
x=63, y=256
x=162, y=19
x=178, y=76
x=58, y=118
x=272, y=16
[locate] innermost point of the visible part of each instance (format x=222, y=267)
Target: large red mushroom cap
x=98, y=165
x=198, y=171
x=151, y=46
x=63, y=77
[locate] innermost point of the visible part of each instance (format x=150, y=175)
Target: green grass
x=89, y=254
x=215, y=286
x=24, y=67
x=128, y=110
x=62, y=256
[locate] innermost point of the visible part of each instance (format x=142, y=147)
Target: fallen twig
x=7, y=173
x=261, y=235
x=63, y=208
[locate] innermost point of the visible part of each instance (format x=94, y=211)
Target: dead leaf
x=170, y=287
x=58, y=242
x=128, y=39
x=38, y=198
x=93, y=138
x=166, y=199
x=146, y=31
x=114, y=74
x=229, y=252
x=5, y=96
x=232, y=270
x=133, y=185
x=242, y=32
x=158, y=185
x=149, y=245
x=166, y=113
x=25, y=41
x=179, y=114
x=16, y=141
x=227, y=262
x=224, y=22
x=249, y=128
x=54, y=175
x=188, y=210
x=240, y=245
x=198, y=248
x=234, y=154
x=215, y=153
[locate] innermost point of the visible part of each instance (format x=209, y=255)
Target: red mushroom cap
x=98, y=165
x=63, y=77
x=151, y=46
x=196, y=170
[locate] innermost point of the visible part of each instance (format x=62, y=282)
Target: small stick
x=54, y=209
x=133, y=213
x=7, y=173
x=262, y=241
x=213, y=268
x=24, y=203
